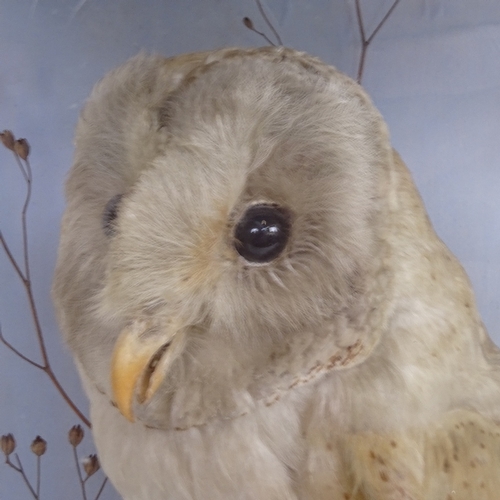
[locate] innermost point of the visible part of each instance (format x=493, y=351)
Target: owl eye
x=109, y=215
x=262, y=233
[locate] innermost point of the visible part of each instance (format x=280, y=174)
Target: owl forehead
x=249, y=129
x=253, y=97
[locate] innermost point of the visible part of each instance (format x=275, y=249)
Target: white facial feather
x=293, y=372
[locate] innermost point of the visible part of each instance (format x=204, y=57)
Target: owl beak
x=141, y=359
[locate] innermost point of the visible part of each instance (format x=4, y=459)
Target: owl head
x=223, y=238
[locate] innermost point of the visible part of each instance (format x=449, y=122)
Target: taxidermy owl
x=256, y=301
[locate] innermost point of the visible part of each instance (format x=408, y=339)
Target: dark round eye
x=262, y=233
x=109, y=215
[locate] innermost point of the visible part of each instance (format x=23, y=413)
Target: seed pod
x=91, y=465
x=248, y=23
x=22, y=148
x=8, y=444
x=75, y=435
x=7, y=138
x=39, y=446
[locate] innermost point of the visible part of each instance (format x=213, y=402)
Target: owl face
x=223, y=229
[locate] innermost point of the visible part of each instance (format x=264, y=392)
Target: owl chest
x=299, y=449
x=288, y=450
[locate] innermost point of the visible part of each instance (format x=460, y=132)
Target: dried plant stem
x=38, y=475
x=25, y=277
x=80, y=477
x=268, y=22
x=28, y=178
x=101, y=489
x=84, y=481
x=365, y=42
x=19, y=468
x=249, y=24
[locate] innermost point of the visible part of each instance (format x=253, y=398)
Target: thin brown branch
x=361, y=25
x=19, y=468
x=101, y=489
x=249, y=24
x=48, y=370
x=26, y=174
x=7, y=344
x=23, y=217
x=268, y=22
x=63, y=393
x=361, y=66
x=45, y=366
x=38, y=327
x=11, y=258
x=80, y=477
x=384, y=19
x=365, y=42
x=38, y=475
x=26, y=281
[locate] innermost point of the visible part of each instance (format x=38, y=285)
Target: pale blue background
x=433, y=71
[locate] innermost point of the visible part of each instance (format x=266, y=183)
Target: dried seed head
x=22, y=148
x=39, y=446
x=91, y=465
x=248, y=23
x=75, y=435
x=7, y=138
x=8, y=444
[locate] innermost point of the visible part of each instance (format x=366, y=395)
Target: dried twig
x=91, y=463
x=20, y=150
x=39, y=447
x=19, y=468
x=80, y=476
x=249, y=24
x=101, y=489
x=365, y=42
x=268, y=22
x=38, y=475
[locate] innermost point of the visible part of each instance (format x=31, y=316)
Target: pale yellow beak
x=142, y=356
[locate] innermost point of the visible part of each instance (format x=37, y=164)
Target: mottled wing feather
x=458, y=458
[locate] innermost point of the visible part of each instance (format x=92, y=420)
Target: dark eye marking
x=262, y=233
x=109, y=215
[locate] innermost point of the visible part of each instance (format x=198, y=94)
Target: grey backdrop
x=433, y=70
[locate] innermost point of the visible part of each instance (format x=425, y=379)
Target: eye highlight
x=262, y=233
x=109, y=215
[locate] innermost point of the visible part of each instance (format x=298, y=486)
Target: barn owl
x=256, y=301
